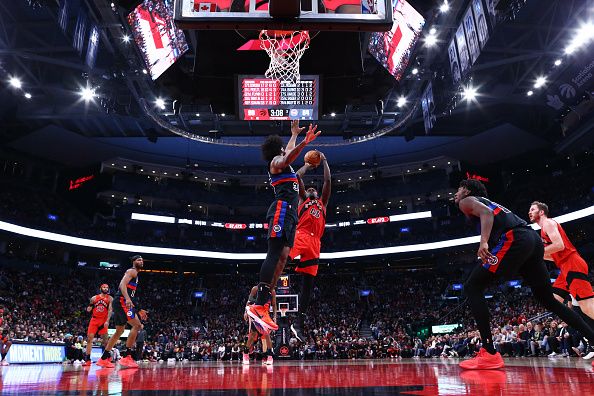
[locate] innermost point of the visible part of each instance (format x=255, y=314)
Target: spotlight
x=28, y=95
x=540, y=81
x=415, y=71
x=160, y=103
x=432, y=30
x=197, y=114
x=469, y=93
x=332, y=114
x=87, y=94
x=15, y=82
x=430, y=40
x=144, y=71
x=557, y=62
x=584, y=34
x=445, y=7
x=126, y=38
x=222, y=114
x=401, y=101
x=530, y=93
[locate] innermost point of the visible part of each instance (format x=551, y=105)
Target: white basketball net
x=285, y=49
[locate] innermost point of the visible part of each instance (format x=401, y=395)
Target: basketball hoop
x=283, y=311
x=285, y=48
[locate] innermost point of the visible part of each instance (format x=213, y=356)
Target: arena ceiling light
x=87, y=93
x=28, y=95
x=15, y=82
x=558, y=62
x=431, y=39
x=584, y=34
x=445, y=7
x=540, y=81
x=469, y=93
x=401, y=101
x=160, y=103
x=126, y=38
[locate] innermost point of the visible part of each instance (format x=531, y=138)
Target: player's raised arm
x=295, y=131
x=289, y=156
x=327, y=188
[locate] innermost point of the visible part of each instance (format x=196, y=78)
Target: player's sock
x=106, y=355
x=3, y=355
x=263, y=295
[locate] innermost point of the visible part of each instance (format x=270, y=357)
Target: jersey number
x=315, y=213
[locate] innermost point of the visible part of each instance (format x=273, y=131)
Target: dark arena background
x=137, y=211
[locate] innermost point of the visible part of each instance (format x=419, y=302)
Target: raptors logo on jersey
x=100, y=307
x=312, y=218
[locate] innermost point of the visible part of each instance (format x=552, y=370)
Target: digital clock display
x=262, y=99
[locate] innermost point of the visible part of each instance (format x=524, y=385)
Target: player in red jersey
x=4, y=340
x=310, y=229
x=100, y=305
x=573, y=278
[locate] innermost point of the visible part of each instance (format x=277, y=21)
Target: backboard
x=326, y=15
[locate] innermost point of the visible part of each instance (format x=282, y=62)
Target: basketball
x=313, y=157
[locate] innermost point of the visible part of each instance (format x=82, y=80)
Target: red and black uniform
x=573, y=278
x=121, y=313
x=282, y=213
x=511, y=241
x=100, y=311
x=310, y=229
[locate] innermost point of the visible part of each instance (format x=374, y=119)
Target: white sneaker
x=246, y=359
x=269, y=361
x=4, y=363
x=552, y=354
x=589, y=356
x=77, y=362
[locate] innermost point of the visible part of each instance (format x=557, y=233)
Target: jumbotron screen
x=262, y=99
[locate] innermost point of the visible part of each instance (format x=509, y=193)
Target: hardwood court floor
x=542, y=376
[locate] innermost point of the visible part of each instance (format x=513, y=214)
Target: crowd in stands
x=392, y=322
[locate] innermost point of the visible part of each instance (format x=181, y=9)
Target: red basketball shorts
x=307, y=248
x=97, y=326
x=573, y=279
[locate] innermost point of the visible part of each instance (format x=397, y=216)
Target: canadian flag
x=204, y=7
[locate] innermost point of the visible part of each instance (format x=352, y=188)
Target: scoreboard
x=262, y=99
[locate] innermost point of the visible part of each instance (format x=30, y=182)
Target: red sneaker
x=105, y=363
x=87, y=363
x=483, y=361
x=128, y=362
x=259, y=313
